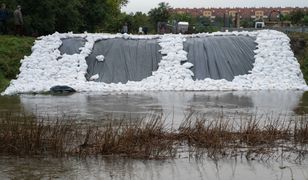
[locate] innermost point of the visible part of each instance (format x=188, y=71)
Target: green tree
x=219, y=21
x=297, y=16
x=39, y=16
x=285, y=17
x=113, y=10
x=46, y=16
x=306, y=20
x=94, y=12
x=141, y=20
x=202, y=24
x=68, y=16
x=134, y=21
x=182, y=17
x=247, y=23
x=160, y=13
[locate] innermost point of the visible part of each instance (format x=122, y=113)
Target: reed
x=150, y=138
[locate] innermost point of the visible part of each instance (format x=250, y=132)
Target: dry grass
x=150, y=139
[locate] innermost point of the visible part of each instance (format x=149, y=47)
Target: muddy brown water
x=93, y=108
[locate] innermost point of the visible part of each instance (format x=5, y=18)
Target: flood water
x=94, y=107
x=117, y=168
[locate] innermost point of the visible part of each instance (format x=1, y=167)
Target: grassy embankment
x=299, y=44
x=12, y=49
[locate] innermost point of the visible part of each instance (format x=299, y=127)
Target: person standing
x=140, y=30
x=4, y=15
x=145, y=30
x=18, y=19
x=125, y=28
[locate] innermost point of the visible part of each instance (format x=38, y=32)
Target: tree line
x=297, y=17
x=47, y=16
x=43, y=17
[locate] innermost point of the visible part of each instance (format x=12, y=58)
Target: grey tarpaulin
x=124, y=60
x=220, y=57
x=71, y=45
x=217, y=57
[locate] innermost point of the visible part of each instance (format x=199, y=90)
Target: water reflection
x=302, y=108
x=121, y=168
x=10, y=103
x=174, y=105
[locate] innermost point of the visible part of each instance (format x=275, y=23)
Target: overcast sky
x=146, y=5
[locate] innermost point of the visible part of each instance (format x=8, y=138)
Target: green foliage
x=304, y=64
x=197, y=24
x=297, y=17
x=160, y=13
x=141, y=19
x=204, y=24
x=12, y=49
x=68, y=17
x=138, y=19
x=219, y=22
x=247, y=23
x=45, y=16
x=42, y=15
x=306, y=20
x=304, y=68
x=4, y=82
x=286, y=17
x=94, y=12
x=183, y=17
x=133, y=20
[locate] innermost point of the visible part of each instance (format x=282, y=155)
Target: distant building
x=244, y=13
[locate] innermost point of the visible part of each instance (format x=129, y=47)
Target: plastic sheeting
x=217, y=57
x=124, y=60
x=71, y=46
x=220, y=57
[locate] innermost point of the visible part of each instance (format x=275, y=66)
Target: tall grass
x=150, y=138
